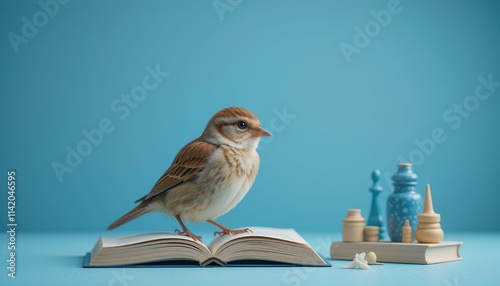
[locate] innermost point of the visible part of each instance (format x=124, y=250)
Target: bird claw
x=189, y=234
x=228, y=231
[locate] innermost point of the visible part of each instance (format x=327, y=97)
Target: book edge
x=206, y=263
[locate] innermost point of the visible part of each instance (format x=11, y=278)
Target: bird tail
x=131, y=215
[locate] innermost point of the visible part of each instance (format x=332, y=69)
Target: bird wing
x=186, y=165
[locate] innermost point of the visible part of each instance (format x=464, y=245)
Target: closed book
x=397, y=252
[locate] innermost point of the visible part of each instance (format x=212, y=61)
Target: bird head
x=236, y=127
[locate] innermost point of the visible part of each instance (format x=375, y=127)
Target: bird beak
x=259, y=132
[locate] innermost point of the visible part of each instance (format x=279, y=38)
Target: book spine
x=213, y=260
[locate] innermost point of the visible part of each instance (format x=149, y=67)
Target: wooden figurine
x=353, y=226
x=407, y=232
x=372, y=233
x=371, y=258
x=429, y=228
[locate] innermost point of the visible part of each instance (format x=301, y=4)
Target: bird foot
x=187, y=233
x=228, y=231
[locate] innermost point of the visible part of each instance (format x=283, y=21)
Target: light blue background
x=268, y=56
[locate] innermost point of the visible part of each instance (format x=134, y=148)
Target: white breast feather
x=229, y=195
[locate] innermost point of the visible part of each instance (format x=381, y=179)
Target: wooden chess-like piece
x=407, y=232
x=429, y=228
x=371, y=258
x=372, y=233
x=353, y=227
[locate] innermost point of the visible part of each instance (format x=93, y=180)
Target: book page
x=114, y=241
x=287, y=234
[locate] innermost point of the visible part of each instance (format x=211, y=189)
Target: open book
x=262, y=246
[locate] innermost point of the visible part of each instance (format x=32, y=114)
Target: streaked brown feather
x=237, y=113
x=186, y=165
x=131, y=215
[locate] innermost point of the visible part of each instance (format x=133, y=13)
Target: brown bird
x=209, y=176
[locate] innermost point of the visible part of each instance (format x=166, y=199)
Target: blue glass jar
x=404, y=203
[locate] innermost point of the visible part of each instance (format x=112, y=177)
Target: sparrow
x=209, y=176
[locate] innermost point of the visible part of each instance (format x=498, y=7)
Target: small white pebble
x=371, y=257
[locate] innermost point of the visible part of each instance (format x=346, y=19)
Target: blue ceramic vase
x=404, y=203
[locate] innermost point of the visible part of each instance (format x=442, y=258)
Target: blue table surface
x=56, y=259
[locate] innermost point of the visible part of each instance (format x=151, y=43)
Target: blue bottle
x=404, y=203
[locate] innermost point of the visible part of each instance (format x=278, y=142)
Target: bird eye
x=242, y=125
